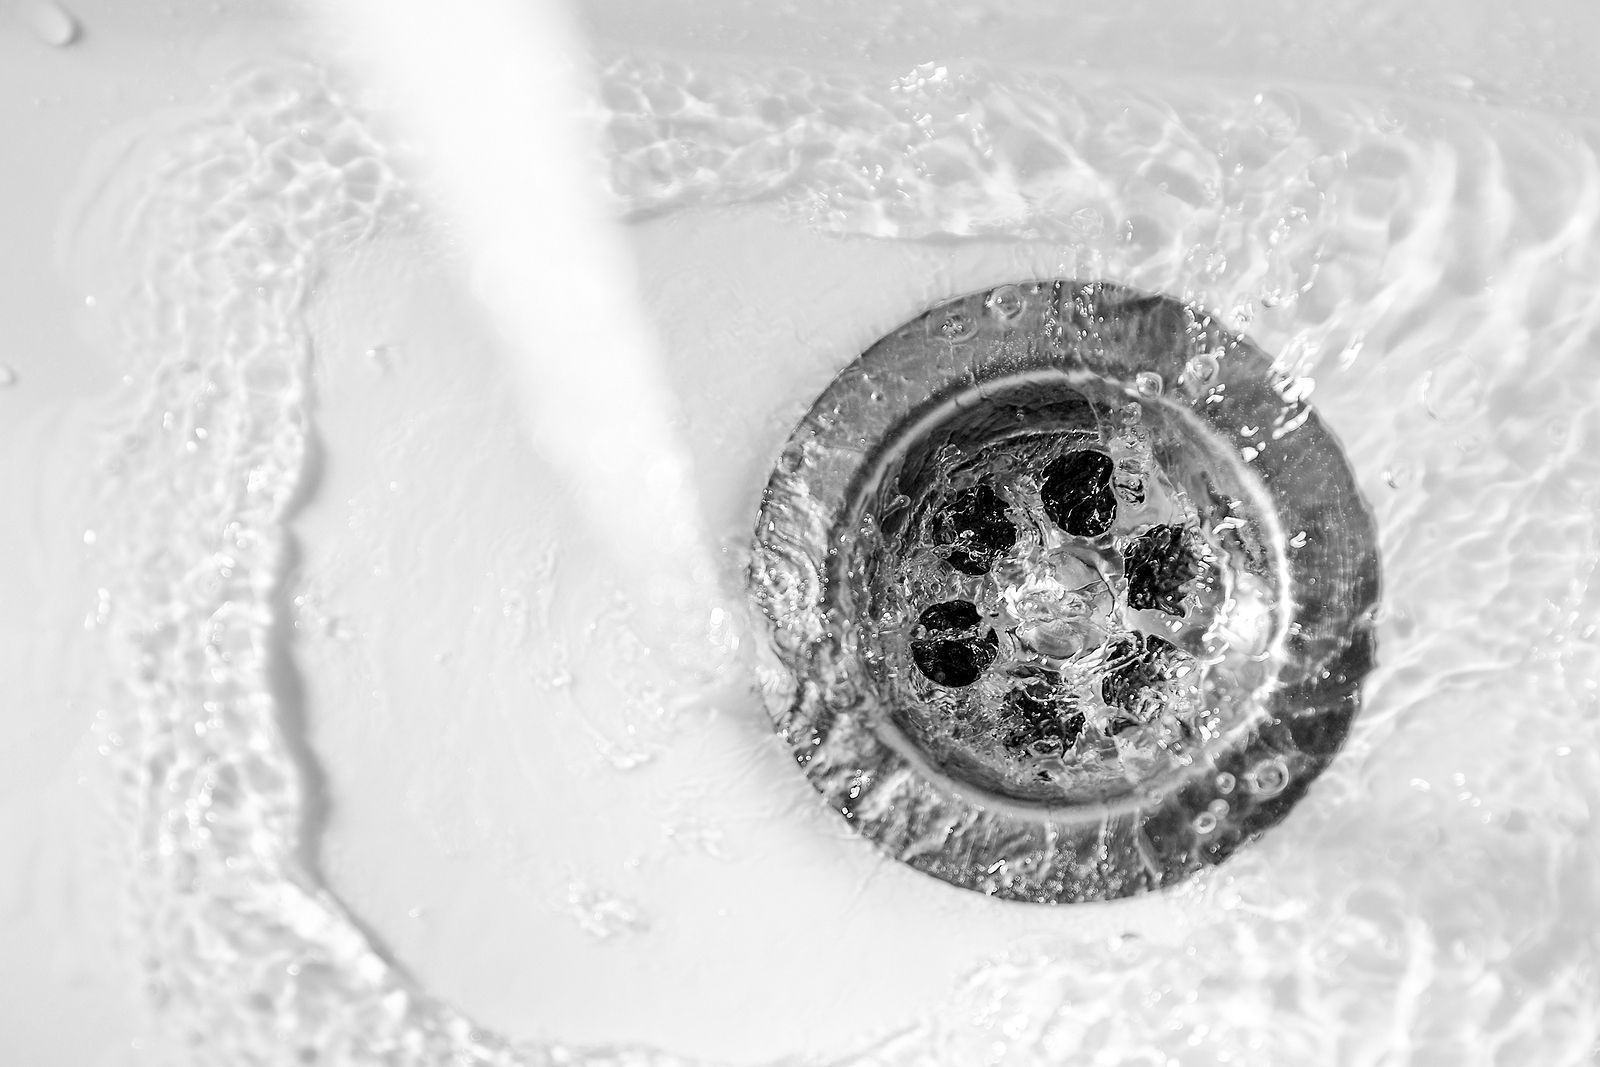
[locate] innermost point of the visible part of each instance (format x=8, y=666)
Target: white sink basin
x=440, y=763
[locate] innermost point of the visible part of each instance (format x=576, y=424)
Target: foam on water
x=1430, y=271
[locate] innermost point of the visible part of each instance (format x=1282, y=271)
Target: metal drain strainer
x=1070, y=593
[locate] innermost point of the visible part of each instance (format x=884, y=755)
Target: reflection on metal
x=1069, y=593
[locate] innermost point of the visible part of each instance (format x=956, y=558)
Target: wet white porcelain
x=527, y=811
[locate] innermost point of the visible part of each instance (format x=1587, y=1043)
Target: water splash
x=1432, y=900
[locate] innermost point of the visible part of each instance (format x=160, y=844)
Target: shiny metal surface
x=924, y=764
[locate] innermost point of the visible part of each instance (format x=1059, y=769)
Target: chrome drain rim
x=987, y=371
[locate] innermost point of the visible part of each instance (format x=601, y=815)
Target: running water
x=1428, y=270
x=548, y=262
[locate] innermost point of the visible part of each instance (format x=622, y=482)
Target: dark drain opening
x=1052, y=570
x=1076, y=493
x=951, y=646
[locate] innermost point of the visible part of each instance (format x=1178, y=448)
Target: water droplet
x=1226, y=782
x=1399, y=476
x=51, y=23
x=8, y=377
x=1205, y=823
x=1148, y=383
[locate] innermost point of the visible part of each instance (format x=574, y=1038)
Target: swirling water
x=1427, y=270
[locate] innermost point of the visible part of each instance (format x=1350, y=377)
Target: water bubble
x=1005, y=302
x=1269, y=778
x=1148, y=383
x=957, y=328
x=1202, y=367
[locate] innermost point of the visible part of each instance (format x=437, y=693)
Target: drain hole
x=1140, y=670
x=976, y=529
x=951, y=646
x=1042, y=721
x=1077, y=493
x=1159, y=565
x=1042, y=595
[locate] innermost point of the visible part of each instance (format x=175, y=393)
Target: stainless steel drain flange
x=1070, y=593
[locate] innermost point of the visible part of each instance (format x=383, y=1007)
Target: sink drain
x=1069, y=592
